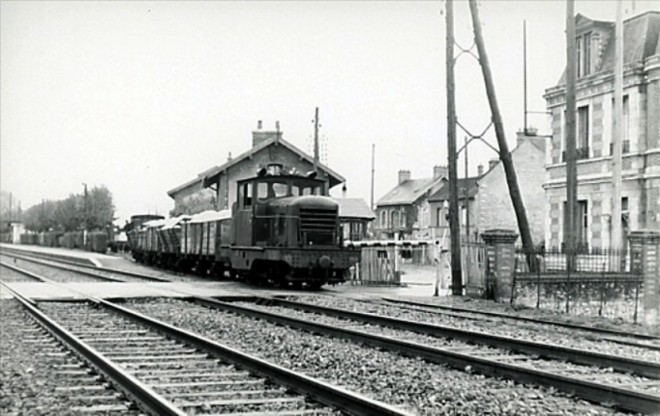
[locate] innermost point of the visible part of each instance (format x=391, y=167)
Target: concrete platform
x=72, y=291
x=93, y=258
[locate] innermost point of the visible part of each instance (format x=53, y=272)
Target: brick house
x=403, y=212
x=594, y=122
x=487, y=199
x=268, y=148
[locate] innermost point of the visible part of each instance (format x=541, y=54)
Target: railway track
x=82, y=266
x=169, y=371
x=605, y=386
x=96, y=274
x=641, y=340
x=76, y=386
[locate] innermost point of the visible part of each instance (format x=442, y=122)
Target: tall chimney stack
x=404, y=175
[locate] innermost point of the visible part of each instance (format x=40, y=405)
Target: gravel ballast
x=505, y=327
x=414, y=384
x=31, y=370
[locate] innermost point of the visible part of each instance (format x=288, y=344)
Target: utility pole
x=617, y=137
x=525, y=75
x=571, y=166
x=373, y=173
x=454, y=226
x=505, y=155
x=85, y=215
x=316, y=140
x=466, y=195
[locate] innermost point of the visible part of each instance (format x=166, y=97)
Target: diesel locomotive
x=283, y=230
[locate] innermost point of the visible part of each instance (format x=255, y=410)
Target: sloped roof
x=354, y=208
x=407, y=192
x=212, y=174
x=640, y=40
x=443, y=193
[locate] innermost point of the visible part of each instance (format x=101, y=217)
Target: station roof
x=211, y=176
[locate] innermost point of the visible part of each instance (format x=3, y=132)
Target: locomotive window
x=311, y=190
x=262, y=190
x=279, y=190
x=295, y=190
x=247, y=194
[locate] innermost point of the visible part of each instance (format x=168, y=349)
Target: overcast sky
x=142, y=96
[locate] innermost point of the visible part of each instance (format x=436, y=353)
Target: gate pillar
x=500, y=253
x=645, y=249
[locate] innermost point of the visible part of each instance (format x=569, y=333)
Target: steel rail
x=44, y=262
x=147, y=399
x=60, y=257
x=325, y=393
x=524, y=318
x=89, y=266
x=640, y=367
x=23, y=272
x=596, y=392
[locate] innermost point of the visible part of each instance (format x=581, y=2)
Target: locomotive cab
x=286, y=230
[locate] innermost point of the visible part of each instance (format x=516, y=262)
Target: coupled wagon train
x=282, y=230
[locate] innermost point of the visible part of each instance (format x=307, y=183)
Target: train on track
x=283, y=230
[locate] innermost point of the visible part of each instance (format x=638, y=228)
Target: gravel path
x=35, y=371
x=505, y=327
x=421, y=387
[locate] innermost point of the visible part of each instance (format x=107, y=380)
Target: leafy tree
x=41, y=217
x=68, y=213
x=93, y=210
x=199, y=202
x=100, y=208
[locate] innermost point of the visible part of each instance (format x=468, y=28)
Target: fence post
x=501, y=254
x=602, y=291
x=645, y=245
x=538, y=283
x=569, y=265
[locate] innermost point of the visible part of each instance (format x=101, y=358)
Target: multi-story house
x=485, y=198
x=594, y=122
x=403, y=213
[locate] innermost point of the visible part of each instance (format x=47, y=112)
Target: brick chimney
x=404, y=175
x=492, y=163
x=440, y=171
x=259, y=136
x=521, y=135
x=480, y=170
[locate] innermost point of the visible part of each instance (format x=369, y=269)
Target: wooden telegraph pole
x=316, y=140
x=571, y=165
x=454, y=230
x=505, y=155
x=373, y=172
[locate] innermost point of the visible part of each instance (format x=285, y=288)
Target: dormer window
x=583, y=46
